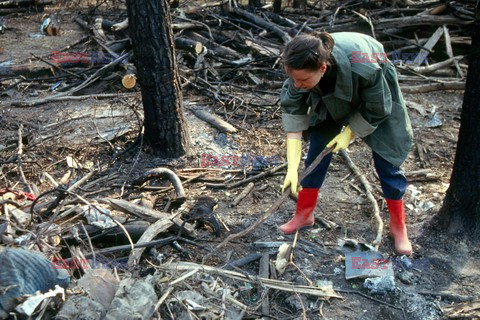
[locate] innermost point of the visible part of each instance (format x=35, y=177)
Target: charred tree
x=461, y=207
x=277, y=6
x=299, y=4
x=255, y=3
x=166, y=133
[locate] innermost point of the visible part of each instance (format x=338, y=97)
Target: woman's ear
x=323, y=67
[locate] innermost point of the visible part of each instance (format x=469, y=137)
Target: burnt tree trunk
x=277, y=6
x=461, y=207
x=153, y=49
x=300, y=4
x=255, y=3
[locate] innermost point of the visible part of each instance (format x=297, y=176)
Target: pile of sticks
x=231, y=54
x=18, y=6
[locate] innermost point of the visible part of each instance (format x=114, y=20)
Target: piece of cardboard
x=366, y=264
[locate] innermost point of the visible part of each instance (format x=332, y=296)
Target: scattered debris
x=32, y=303
x=283, y=257
x=25, y=272
x=380, y=285
x=464, y=310
x=81, y=307
x=134, y=299
x=100, y=285
x=363, y=261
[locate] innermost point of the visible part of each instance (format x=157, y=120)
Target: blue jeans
x=392, y=178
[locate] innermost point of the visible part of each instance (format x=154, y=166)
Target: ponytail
x=326, y=39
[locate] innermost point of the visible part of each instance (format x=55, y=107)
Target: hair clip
x=315, y=53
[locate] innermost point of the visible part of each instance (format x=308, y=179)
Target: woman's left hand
x=342, y=140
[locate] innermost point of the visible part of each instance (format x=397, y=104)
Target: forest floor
x=54, y=132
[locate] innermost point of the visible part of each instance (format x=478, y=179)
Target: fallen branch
x=448, y=46
x=434, y=87
x=214, y=120
x=162, y=172
x=368, y=190
x=246, y=260
x=154, y=243
x=323, y=293
x=239, y=183
x=19, y=159
x=243, y=194
x=436, y=66
x=145, y=213
x=84, y=84
x=83, y=97
x=264, y=24
x=152, y=231
x=446, y=295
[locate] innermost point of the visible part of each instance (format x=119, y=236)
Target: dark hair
x=308, y=51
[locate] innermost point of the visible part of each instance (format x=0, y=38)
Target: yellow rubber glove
x=294, y=154
x=342, y=140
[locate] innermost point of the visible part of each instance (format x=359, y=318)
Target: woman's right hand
x=294, y=154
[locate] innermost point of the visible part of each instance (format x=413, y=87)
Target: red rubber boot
x=397, y=226
x=307, y=200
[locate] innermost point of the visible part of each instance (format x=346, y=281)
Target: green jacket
x=366, y=96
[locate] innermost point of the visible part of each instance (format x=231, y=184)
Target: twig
x=58, y=67
x=447, y=295
x=243, y=194
x=368, y=190
x=294, y=244
x=373, y=299
x=82, y=97
x=19, y=159
x=111, y=217
x=163, y=297
x=253, y=178
x=268, y=283
x=94, y=77
x=457, y=85
x=90, y=243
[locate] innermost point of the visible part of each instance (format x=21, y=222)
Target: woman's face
x=305, y=78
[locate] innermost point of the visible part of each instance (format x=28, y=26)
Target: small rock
x=380, y=285
x=33, y=93
x=405, y=276
x=406, y=262
x=78, y=307
x=293, y=303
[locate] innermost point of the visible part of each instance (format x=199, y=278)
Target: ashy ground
x=93, y=131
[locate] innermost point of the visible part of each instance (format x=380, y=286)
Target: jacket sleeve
x=294, y=107
x=375, y=107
